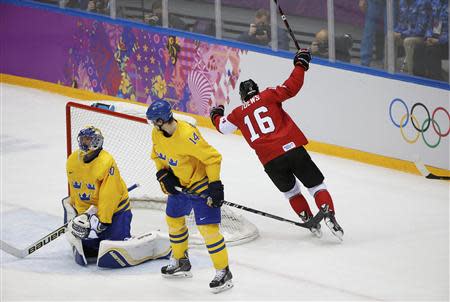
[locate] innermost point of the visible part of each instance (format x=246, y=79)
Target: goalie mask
x=248, y=89
x=90, y=139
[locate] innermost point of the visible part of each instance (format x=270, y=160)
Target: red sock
x=323, y=197
x=299, y=204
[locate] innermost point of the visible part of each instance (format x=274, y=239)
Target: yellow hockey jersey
x=190, y=157
x=97, y=183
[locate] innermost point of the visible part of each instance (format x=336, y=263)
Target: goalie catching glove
x=168, y=181
x=86, y=226
x=302, y=58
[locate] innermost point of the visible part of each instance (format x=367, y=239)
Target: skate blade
x=178, y=275
x=338, y=234
x=316, y=233
x=227, y=285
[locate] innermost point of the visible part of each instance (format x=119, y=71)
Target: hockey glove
x=302, y=58
x=217, y=111
x=216, y=195
x=168, y=181
x=86, y=226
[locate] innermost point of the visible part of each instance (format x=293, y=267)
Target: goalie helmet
x=159, y=110
x=248, y=89
x=90, y=139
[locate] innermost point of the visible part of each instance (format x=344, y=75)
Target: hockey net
x=128, y=138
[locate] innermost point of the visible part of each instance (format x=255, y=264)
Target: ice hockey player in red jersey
x=278, y=142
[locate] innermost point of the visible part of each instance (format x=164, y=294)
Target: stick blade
x=7, y=248
x=425, y=172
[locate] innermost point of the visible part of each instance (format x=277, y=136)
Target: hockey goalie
x=98, y=210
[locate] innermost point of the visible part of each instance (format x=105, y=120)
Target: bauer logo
x=418, y=123
x=46, y=240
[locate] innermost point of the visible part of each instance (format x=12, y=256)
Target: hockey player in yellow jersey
x=99, y=205
x=185, y=160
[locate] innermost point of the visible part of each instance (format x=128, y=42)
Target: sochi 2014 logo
x=418, y=122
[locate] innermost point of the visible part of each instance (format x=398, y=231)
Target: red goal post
x=128, y=138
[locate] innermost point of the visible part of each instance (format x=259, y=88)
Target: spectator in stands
x=409, y=32
x=259, y=32
x=375, y=16
x=99, y=7
x=343, y=45
x=155, y=17
x=436, y=43
x=94, y=6
x=204, y=26
x=78, y=4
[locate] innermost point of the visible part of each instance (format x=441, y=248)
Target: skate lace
x=173, y=263
x=219, y=275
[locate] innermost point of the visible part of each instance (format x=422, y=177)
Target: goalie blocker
x=117, y=253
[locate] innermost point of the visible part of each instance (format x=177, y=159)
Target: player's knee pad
x=313, y=191
x=294, y=191
x=209, y=231
x=176, y=224
x=137, y=250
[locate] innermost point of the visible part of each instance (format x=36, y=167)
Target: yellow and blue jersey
x=97, y=183
x=190, y=157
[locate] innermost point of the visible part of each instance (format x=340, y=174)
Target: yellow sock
x=178, y=234
x=215, y=243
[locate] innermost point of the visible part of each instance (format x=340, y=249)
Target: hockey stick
x=22, y=253
x=307, y=225
x=425, y=172
x=291, y=33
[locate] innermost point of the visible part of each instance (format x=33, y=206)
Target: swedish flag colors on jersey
x=97, y=183
x=190, y=157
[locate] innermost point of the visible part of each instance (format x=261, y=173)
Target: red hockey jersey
x=266, y=127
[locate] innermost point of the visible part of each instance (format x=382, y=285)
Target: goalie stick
x=307, y=225
x=425, y=172
x=22, y=253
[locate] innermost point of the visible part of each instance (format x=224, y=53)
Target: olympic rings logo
x=420, y=127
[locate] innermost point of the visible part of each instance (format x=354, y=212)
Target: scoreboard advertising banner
x=340, y=107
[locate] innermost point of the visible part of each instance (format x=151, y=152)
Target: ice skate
x=331, y=223
x=177, y=268
x=315, y=230
x=222, y=281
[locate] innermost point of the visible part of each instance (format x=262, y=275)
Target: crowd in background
x=420, y=30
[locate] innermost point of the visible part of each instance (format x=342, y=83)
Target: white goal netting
x=128, y=138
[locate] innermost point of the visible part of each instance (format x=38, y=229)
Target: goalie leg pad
x=132, y=252
x=69, y=210
x=77, y=249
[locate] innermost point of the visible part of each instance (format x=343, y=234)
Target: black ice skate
x=331, y=222
x=315, y=230
x=177, y=268
x=222, y=281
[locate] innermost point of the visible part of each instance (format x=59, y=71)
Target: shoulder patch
x=111, y=171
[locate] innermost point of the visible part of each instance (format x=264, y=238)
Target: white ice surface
x=396, y=244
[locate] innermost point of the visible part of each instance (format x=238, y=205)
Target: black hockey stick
x=291, y=33
x=22, y=253
x=425, y=172
x=307, y=225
